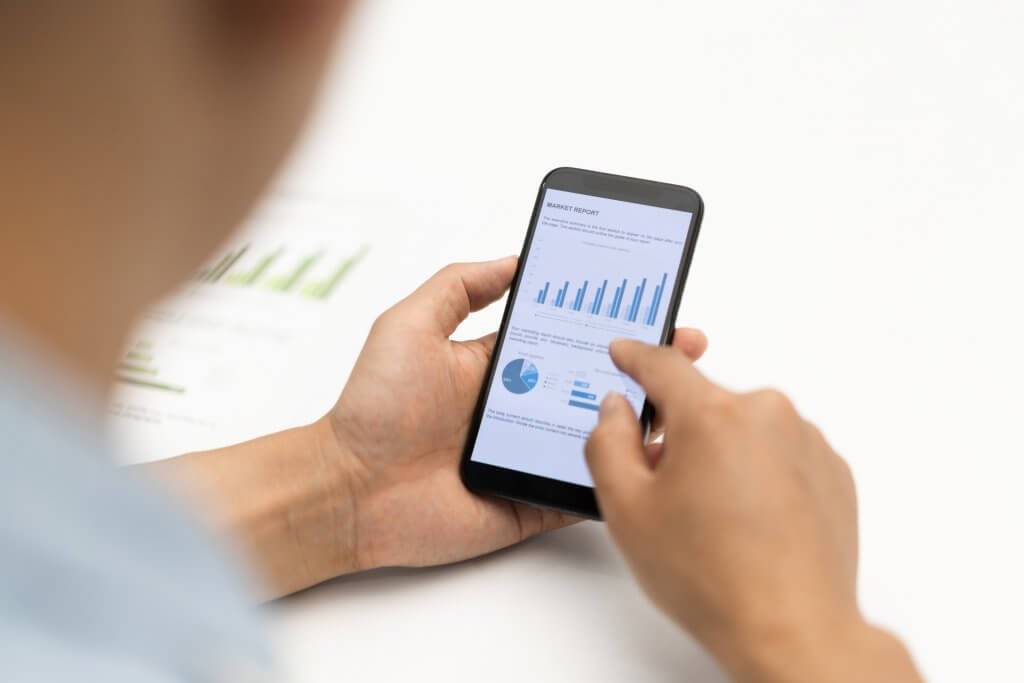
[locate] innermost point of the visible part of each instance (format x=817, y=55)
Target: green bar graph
x=267, y=272
x=249, y=277
x=141, y=369
x=147, y=384
x=284, y=283
x=216, y=272
x=212, y=274
x=136, y=370
x=322, y=289
x=226, y=264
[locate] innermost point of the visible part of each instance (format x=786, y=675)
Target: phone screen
x=597, y=269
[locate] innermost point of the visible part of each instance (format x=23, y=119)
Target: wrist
x=842, y=648
x=375, y=499
x=344, y=493
x=287, y=500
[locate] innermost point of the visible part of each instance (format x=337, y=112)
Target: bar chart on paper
x=139, y=367
x=627, y=301
x=309, y=272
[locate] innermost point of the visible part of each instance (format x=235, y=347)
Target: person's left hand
x=401, y=423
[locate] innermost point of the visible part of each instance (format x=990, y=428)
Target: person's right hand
x=742, y=526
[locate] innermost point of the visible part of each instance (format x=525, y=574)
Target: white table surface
x=862, y=165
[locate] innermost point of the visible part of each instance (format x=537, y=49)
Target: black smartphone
x=605, y=257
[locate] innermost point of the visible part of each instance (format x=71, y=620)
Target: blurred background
x=861, y=164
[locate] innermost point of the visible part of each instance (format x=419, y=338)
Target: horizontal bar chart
x=137, y=368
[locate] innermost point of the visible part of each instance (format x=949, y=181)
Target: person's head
x=134, y=135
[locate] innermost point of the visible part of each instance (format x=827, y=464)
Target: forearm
x=286, y=499
x=840, y=653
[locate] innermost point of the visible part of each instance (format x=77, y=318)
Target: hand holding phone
x=604, y=257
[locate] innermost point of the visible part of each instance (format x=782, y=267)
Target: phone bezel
x=542, y=491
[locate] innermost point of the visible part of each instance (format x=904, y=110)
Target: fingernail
x=610, y=405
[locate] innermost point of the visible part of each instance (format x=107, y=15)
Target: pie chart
x=520, y=376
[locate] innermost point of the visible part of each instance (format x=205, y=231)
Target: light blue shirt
x=102, y=577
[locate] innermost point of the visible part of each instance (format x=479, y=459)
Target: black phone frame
x=520, y=486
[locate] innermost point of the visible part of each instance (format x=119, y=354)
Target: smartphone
x=605, y=257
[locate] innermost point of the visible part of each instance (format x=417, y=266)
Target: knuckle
x=775, y=403
x=450, y=272
x=718, y=412
x=454, y=289
x=845, y=471
x=845, y=481
x=814, y=431
x=450, y=286
x=383, y=321
x=720, y=403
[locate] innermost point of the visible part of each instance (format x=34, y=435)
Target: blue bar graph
x=613, y=309
x=580, y=293
x=596, y=308
x=581, y=384
x=619, y=293
x=584, y=394
x=581, y=404
x=656, y=301
x=560, y=299
x=637, y=296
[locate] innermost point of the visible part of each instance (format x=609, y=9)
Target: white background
x=862, y=167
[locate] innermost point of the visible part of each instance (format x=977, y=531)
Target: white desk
x=862, y=165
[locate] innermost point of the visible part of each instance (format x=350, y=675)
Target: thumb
x=444, y=301
x=615, y=455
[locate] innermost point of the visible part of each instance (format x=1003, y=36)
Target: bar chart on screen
x=615, y=272
x=626, y=302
